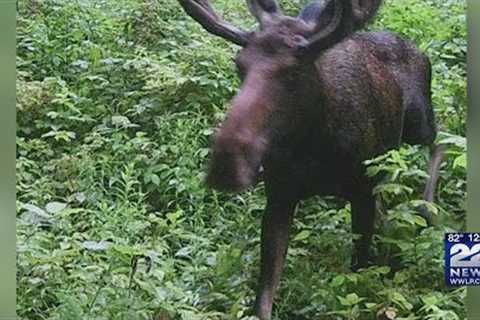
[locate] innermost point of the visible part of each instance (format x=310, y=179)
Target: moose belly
x=303, y=178
x=326, y=178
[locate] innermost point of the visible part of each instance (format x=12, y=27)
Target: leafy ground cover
x=116, y=104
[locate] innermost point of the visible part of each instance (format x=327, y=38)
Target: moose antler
x=202, y=12
x=348, y=15
x=324, y=37
x=265, y=11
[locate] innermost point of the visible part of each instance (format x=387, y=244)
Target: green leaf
x=155, y=179
x=420, y=221
x=400, y=300
x=96, y=246
x=338, y=281
x=460, y=161
x=54, y=207
x=383, y=270
x=350, y=300
x=35, y=215
x=303, y=235
x=370, y=305
x=452, y=139
x=430, y=300
x=34, y=209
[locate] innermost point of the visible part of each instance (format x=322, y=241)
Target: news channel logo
x=462, y=259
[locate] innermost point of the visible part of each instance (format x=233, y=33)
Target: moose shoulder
x=316, y=100
x=354, y=110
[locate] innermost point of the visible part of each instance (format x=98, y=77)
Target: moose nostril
x=235, y=161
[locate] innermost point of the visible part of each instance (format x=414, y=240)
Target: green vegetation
x=116, y=105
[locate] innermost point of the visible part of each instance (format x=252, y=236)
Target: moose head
x=278, y=77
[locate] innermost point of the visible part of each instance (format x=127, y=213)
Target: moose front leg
x=274, y=242
x=363, y=220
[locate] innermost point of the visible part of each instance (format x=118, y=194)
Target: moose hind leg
x=363, y=220
x=419, y=128
x=274, y=242
x=436, y=157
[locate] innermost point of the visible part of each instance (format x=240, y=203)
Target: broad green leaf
x=54, y=207
x=96, y=246
x=302, y=235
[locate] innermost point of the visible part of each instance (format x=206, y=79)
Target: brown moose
x=317, y=99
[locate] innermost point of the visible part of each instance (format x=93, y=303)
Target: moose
x=317, y=98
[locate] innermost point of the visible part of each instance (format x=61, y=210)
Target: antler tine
x=324, y=38
x=265, y=11
x=348, y=16
x=202, y=12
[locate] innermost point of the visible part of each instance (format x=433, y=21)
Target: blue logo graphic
x=462, y=259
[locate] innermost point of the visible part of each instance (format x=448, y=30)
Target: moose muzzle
x=242, y=141
x=236, y=160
